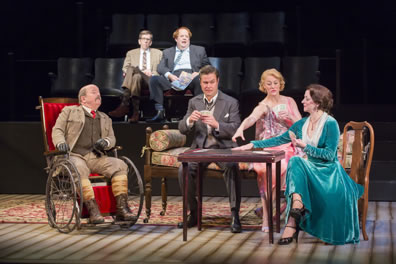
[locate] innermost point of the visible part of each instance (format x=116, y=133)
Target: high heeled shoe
x=265, y=229
x=288, y=240
x=297, y=213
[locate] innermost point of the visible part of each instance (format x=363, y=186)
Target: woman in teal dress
x=321, y=197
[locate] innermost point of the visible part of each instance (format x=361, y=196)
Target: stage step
x=383, y=180
x=385, y=150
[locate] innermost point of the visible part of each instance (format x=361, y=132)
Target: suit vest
x=89, y=135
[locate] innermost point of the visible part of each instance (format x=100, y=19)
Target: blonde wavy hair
x=271, y=72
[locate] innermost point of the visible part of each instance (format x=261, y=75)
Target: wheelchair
x=63, y=202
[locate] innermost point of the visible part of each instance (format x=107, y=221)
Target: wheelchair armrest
x=57, y=152
x=114, y=150
x=54, y=153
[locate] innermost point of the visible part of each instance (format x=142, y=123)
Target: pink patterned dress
x=268, y=126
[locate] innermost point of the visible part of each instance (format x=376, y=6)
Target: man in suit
x=182, y=57
x=139, y=65
x=86, y=134
x=214, y=118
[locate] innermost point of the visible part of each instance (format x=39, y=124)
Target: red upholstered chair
x=63, y=202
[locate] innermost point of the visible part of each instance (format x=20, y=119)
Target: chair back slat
x=362, y=150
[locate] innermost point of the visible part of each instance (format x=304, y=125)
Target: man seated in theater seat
x=213, y=117
x=175, y=60
x=139, y=65
x=86, y=134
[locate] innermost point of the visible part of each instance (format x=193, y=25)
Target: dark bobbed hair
x=321, y=96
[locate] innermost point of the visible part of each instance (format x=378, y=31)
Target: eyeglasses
x=148, y=39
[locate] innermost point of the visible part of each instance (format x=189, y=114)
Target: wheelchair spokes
x=63, y=207
x=135, y=189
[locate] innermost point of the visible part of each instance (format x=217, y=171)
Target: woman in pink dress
x=272, y=116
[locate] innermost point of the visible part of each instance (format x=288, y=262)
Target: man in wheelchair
x=87, y=134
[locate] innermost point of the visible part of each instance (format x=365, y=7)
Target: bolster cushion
x=161, y=140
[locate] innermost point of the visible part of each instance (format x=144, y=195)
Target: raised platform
x=22, y=162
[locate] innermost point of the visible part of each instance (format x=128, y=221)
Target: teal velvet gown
x=328, y=193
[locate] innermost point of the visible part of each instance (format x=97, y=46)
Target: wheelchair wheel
x=62, y=204
x=135, y=189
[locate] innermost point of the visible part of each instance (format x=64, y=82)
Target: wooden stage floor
x=38, y=243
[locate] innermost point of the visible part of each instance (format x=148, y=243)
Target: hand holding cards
x=278, y=108
x=205, y=112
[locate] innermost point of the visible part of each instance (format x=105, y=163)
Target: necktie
x=144, y=67
x=208, y=105
x=93, y=114
x=178, y=58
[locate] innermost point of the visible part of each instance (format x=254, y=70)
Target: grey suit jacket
x=198, y=59
x=132, y=58
x=226, y=112
x=70, y=123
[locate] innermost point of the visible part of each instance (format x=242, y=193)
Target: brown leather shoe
x=123, y=212
x=94, y=214
x=120, y=111
x=134, y=118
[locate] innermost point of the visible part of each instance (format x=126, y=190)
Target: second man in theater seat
x=139, y=66
x=182, y=57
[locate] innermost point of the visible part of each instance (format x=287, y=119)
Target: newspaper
x=185, y=79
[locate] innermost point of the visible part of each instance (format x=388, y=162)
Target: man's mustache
x=98, y=97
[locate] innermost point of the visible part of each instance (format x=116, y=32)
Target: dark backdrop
x=36, y=33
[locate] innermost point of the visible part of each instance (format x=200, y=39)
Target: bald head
x=89, y=96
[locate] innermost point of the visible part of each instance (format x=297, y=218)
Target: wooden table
x=227, y=155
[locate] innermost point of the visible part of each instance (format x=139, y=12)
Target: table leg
x=278, y=187
x=199, y=181
x=185, y=186
x=269, y=202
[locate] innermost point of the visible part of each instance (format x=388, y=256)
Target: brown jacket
x=70, y=123
x=133, y=58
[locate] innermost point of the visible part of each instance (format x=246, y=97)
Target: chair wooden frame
x=362, y=155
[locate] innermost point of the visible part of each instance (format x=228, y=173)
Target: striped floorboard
x=38, y=243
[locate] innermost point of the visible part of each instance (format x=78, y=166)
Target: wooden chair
x=362, y=155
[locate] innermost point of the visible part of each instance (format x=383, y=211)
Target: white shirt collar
x=213, y=99
x=177, y=49
x=88, y=109
x=142, y=50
